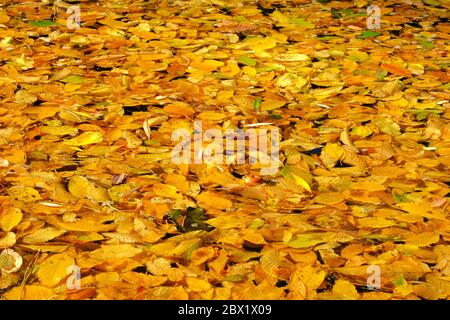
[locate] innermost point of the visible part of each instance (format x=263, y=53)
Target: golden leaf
x=11, y=219
x=85, y=139
x=54, y=269
x=43, y=235
x=29, y=292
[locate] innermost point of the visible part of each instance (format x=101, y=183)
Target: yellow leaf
x=185, y=248
x=329, y=198
x=291, y=57
x=118, y=191
x=11, y=219
x=358, y=56
x=214, y=200
x=257, y=43
x=422, y=209
x=306, y=280
x=423, y=239
x=16, y=156
x=4, y=18
x=224, y=96
x=272, y=104
x=292, y=81
x=345, y=290
x=225, y=222
x=86, y=138
x=202, y=255
x=375, y=222
x=253, y=237
x=198, y=285
x=159, y=266
x=310, y=239
x=43, y=235
x=367, y=186
x=54, y=248
x=288, y=173
x=8, y=240
x=212, y=116
x=331, y=154
x=85, y=224
x=270, y=262
x=115, y=251
x=301, y=182
x=178, y=110
x=440, y=284
x=166, y=190
x=207, y=65
x=81, y=187
x=25, y=194
x=146, y=280
x=29, y=292
x=362, y=131
x=78, y=186
x=59, y=131
x=54, y=269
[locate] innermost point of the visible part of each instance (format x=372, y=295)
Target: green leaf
x=426, y=44
x=301, y=23
x=240, y=19
x=74, y=79
x=399, y=281
x=276, y=116
x=388, y=126
x=423, y=114
x=336, y=14
x=381, y=74
x=267, y=69
x=247, y=61
x=257, y=103
x=195, y=220
x=220, y=75
x=432, y=2
x=325, y=37
x=381, y=237
x=400, y=198
x=368, y=34
x=175, y=214
x=347, y=12
x=43, y=23
x=256, y=224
